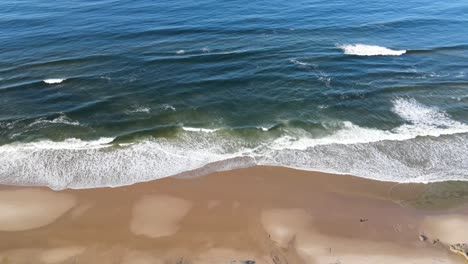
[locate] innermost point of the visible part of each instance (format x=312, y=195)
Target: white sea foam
x=68, y=144
x=314, y=68
x=180, y=52
x=298, y=62
x=322, y=106
x=62, y=119
x=425, y=121
x=197, y=129
x=143, y=110
x=416, y=151
x=325, y=80
x=139, y=109
x=369, y=50
x=53, y=81
x=421, y=121
x=82, y=164
x=9, y=125
x=168, y=107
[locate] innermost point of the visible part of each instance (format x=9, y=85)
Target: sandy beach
x=233, y=132
x=254, y=215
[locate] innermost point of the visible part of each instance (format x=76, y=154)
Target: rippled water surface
x=114, y=92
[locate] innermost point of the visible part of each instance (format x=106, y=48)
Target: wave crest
x=62, y=119
x=197, y=129
x=53, y=81
x=369, y=50
x=428, y=146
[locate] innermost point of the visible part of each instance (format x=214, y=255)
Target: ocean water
x=108, y=93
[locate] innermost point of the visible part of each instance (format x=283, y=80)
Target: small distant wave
x=201, y=55
x=298, y=62
x=369, y=50
x=264, y=129
x=147, y=110
x=314, y=69
x=196, y=129
x=53, y=81
x=323, y=106
x=142, y=110
x=325, y=80
x=62, y=119
x=168, y=107
x=139, y=109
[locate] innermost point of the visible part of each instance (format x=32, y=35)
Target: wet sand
x=261, y=214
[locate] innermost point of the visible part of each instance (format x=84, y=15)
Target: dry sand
x=261, y=214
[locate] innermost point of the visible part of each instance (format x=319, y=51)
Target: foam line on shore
x=437, y=144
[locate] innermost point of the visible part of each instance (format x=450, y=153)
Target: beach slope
x=254, y=215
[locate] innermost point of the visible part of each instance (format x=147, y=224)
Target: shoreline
x=262, y=214
x=156, y=158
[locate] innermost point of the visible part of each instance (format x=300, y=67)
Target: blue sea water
x=107, y=93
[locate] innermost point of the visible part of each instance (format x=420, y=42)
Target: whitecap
x=180, y=52
x=62, y=119
x=142, y=110
x=168, y=107
x=421, y=120
x=323, y=106
x=67, y=144
x=325, y=80
x=197, y=129
x=139, y=109
x=301, y=63
x=421, y=115
x=53, y=81
x=369, y=50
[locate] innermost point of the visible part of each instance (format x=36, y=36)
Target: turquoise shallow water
x=111, y=92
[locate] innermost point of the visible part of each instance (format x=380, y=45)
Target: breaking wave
x=369, y=50
x=138, y=109
x=197, y=129
x=428, y=146
x=53, y=81
x=62, y=119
